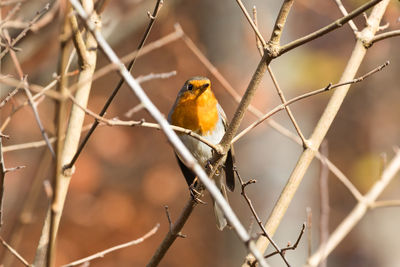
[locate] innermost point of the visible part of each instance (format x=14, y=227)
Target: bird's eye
x=190, y=87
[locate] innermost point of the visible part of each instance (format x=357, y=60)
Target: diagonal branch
x=334, y=25
x=101, y=254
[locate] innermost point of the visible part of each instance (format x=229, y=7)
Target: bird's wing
x=188, y=173
x=230, y=157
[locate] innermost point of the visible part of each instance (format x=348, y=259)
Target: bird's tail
x=219, y=214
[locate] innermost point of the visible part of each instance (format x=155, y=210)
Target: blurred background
x=126, y=176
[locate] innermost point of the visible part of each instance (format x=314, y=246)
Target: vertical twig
x=309, y=231
x=2, y=177
x=288, y=110
x=324, y=200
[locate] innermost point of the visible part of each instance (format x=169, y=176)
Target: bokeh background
x=126, y=176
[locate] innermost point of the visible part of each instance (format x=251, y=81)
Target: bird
x=197, y=109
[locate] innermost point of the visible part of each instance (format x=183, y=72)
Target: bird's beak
x=204, y=87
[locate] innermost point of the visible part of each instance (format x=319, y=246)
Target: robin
x=197, y=109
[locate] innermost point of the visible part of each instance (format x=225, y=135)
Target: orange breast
x=197, y=113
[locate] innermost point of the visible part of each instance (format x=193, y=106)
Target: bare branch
x=383, y=36
x=334, y=25
x=385, y=204
x=280, y=23
x=14, y=252
x=24, y=31
x=37, y=117
x=345, y=13
x=255, y=215
x=303, y=229
x=324, y=199
x=101, y=254
x=252, y=24
x=288, y=111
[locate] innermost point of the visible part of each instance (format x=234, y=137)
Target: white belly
x=202, y=152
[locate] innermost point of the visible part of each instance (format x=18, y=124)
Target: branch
x=252, y=24
x=286, y=107
x=173, y=233
x=24, y=31
x=181, y=150
x=255, y=215
x=14, y=252
x=280, y=23
x=383, y=36
x=334, y=25
x=345, y=13
x=37, y=117
x=357, y=213
x=101, y=254
x=2, y=178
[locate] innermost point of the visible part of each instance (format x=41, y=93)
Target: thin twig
x=252, y=24
x=10, y=14
x=334, y=25
x=255, y=215
x=2, y=178
x=9, y=96
x=385, y=204
x=179, y=234
x=101, y=254
x=288, y=111
x=10, y=2
x=309, y=231
x=173, y=233
x=24, y=31
x=383, y=36
x=37, y=117
x=345, y=13
x=324, y=200
x=14, y=252
x=156, y=10
x=303, y=229
x=259, y=46
x=179, y=147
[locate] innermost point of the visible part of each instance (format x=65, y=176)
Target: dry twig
x=101, y=254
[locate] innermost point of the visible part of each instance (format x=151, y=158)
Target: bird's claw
x=195, y=195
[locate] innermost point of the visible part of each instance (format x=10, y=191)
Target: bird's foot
x=195, y=195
